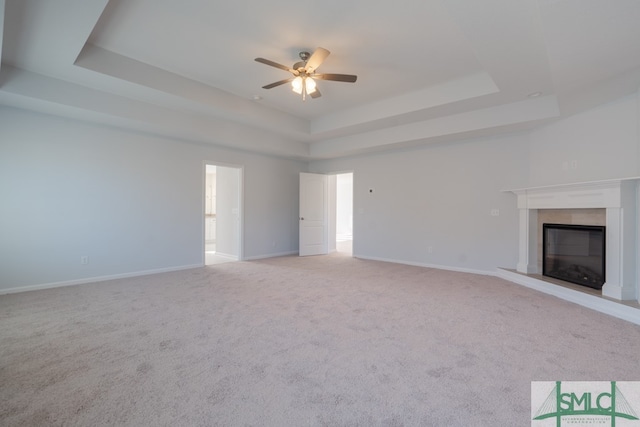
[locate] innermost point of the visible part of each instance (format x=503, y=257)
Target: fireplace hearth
x=574, y=253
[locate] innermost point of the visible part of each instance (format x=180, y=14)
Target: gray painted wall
x=432, y=206
x=603, y=141
x=131, y=202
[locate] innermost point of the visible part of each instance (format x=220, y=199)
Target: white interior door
x=313, y=218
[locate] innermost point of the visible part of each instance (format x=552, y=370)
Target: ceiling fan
x=304, y=73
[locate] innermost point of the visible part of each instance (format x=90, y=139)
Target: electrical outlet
x=84, y=260
x=430, y=249
x=574, y=164
x=495, y=212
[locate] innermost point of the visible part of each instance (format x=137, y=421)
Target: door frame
x=203, y=194
x=331, y=209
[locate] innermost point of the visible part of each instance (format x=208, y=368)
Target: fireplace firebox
x=574, y=253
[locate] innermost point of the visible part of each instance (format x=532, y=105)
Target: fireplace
x=618, y=197
x=574, y=253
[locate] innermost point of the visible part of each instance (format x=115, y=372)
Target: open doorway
x=344, y=213
x=222, y=214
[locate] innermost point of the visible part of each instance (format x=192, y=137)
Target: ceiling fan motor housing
x=301, y=64
x=305, y=56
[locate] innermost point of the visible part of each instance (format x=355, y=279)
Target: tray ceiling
x=427, y=70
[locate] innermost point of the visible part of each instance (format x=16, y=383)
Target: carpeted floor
x=328, y=340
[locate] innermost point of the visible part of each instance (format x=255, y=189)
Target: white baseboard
x=603, y=305
x=420, y=264
x=256, y=257
x=94, y=279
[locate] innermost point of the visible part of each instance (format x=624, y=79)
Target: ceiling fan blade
x=316, y=59
x=278, y=83
x=349, y=78
x=275, y=64
x=315, y=94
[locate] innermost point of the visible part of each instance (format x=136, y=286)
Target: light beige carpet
x=290, y=341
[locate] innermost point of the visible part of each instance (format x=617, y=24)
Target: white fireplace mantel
x=618, y=197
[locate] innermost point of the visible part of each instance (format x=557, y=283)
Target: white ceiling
x=428, y=70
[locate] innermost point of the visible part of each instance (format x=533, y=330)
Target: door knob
x=301, y=218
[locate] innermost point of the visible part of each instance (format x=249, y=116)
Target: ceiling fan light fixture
x=296, y=85
x=303, y=85
x=309, y=85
